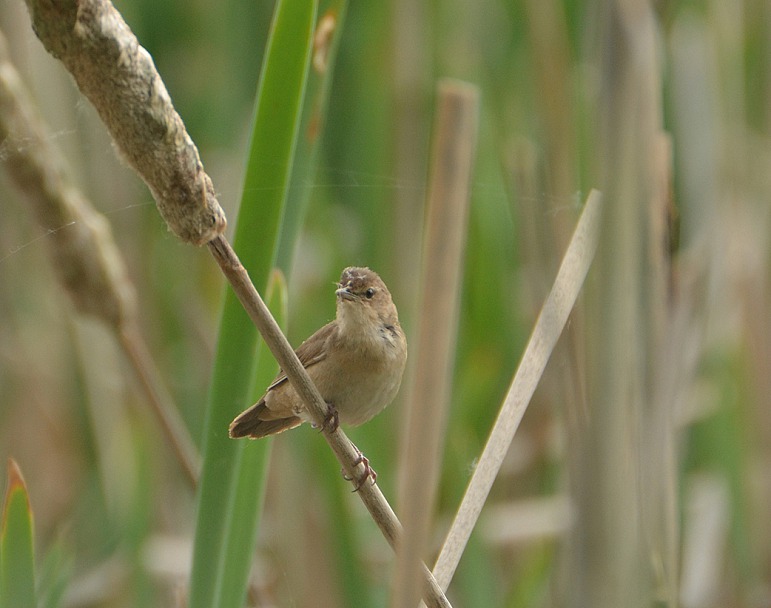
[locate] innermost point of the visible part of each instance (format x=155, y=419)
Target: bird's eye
x=369, y=293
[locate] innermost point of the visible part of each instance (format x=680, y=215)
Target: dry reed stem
x=547, y=330
x=83, y=253
x=705, y=536
x=454, y=145
x=610, y=564
x=659, y=466
x=172, y=425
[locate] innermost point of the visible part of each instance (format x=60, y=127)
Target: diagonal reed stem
x=344, y=450
x=552, y=319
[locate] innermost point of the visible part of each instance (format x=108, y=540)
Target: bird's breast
x=366, y=376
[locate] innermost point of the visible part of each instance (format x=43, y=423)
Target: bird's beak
x=344, y=294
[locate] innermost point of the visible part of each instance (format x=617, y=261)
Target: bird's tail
x=250, y=423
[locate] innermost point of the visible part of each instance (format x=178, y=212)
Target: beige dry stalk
x=343, y=448
x=454, y=146
x=548, y=328
x=614, y=485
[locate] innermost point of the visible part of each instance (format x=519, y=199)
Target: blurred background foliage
x=106, y=490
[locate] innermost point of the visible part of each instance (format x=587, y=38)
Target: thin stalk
x=548, y=328
x=454, y=146
x=161, y=402
x=344, y=450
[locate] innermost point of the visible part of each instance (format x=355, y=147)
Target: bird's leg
x=368, y=470
x=331, y=420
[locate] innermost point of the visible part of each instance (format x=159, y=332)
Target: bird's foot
x=331, y=420
x=369, y=472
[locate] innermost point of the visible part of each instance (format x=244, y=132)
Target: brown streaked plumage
x=356, y=362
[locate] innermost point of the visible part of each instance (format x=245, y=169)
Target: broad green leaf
x=276, y=124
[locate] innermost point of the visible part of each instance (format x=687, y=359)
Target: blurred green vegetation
x=105, y=489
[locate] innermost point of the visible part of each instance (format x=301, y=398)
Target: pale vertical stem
x=658, y=447
x=610, y=567
x=448, y=202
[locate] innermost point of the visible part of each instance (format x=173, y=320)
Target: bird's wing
x=309, y=352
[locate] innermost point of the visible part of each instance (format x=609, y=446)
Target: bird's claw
x=369, y=472
x=331, y=420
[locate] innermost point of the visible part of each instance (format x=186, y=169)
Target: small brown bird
x=356, y=362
